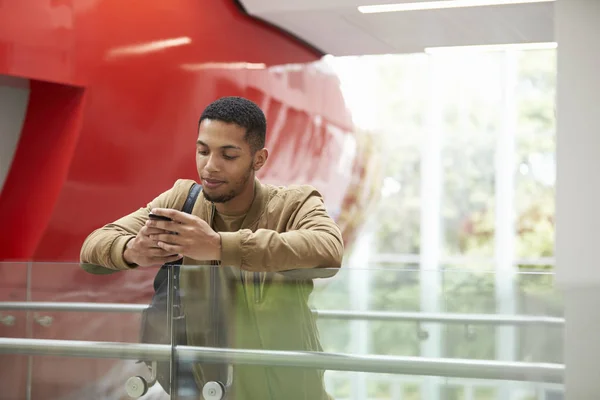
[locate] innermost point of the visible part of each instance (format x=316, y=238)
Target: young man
x=266, y=241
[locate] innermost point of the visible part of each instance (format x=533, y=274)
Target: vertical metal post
x=29, y=333
x=359, y=284
x=431, y=231
x=504, y=246
x=171, y=288
x=397, y=390
x=469, y=391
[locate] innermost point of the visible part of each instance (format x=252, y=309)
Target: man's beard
x=224, y=198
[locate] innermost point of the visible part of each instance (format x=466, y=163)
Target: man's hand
x=186, y=234
x=144, y=251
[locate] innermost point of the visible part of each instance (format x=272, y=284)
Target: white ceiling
x=337, y=27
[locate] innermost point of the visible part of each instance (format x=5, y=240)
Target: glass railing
x=372, y=333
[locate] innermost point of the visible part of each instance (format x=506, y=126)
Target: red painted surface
x=42, y=160
x=116, y=91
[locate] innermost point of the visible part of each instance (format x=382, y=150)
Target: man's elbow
x=337, y=252
x=333, y=262
x=90, y=248
x=84, y=251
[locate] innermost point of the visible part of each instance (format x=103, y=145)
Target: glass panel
x=67, y=291
x=537, y=296
x=350, y=314
x=536, y=161
x=389, y=99
x=276, y=312
x=484, y=393
x=469, y=292
x=470, y=94
x=392, y=291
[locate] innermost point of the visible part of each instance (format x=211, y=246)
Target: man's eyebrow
x=229, y=146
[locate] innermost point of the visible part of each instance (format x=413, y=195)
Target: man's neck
x=240, y=204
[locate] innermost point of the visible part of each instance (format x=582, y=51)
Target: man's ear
x=260, y=159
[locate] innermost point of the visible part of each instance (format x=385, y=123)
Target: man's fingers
x=175, y=215
x=169, y=226
x=147, y=231
x=149, y=248
x=167, y=238
x=157, y=252
x=173, y=249
x=150, y=241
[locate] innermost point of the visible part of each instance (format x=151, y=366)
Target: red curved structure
x=115, y=91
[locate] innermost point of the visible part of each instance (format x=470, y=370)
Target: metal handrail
x=71, y=306
x=475, y=369
x=467, y=319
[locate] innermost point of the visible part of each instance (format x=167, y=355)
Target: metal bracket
x=44, y=320
x=422, y=334
x=213, y=391
x=137, y=386
x=7, y=320
x=470, y=332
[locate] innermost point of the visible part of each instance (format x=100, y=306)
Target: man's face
x=224, y=160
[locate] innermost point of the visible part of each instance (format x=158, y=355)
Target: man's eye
x=203, y=152
x=229, y=157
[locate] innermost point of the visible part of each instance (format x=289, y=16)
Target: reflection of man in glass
x=257, y=233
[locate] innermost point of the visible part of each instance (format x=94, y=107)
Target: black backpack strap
x=188, y=206
x=191, y=199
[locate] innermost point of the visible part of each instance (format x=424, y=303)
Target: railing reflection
x=75, y=320
x=470, y=319
x=514, y=371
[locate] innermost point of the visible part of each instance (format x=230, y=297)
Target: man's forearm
x=269, y=251
x=127, y=254
x=105, y=247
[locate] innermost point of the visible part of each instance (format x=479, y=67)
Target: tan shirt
x=228, y=223
x=285, y=229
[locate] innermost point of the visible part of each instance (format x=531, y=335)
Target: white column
x=431, y=195
x=578, y=191
x=359, y=284
x=504, y=246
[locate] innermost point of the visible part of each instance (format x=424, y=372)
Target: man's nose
x=212, y=164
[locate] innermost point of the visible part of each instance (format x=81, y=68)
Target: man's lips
x=211, y=183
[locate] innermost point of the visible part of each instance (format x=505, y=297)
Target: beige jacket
x=262, y=286
x=285, y=229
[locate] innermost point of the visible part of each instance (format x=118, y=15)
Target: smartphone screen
x=159, y=217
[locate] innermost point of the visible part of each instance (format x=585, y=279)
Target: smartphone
x=159, y=217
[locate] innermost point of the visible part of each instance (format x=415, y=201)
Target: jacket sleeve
x=105, y=246
x=313, y=241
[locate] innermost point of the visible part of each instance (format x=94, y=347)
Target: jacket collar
x=259, y=204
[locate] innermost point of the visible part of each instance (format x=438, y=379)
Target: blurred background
x=454, y=141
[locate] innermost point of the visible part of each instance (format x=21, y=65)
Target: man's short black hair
x=242, y=112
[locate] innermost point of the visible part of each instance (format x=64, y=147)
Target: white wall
x=578, y=191
x=14, y=96
x=578, y=142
